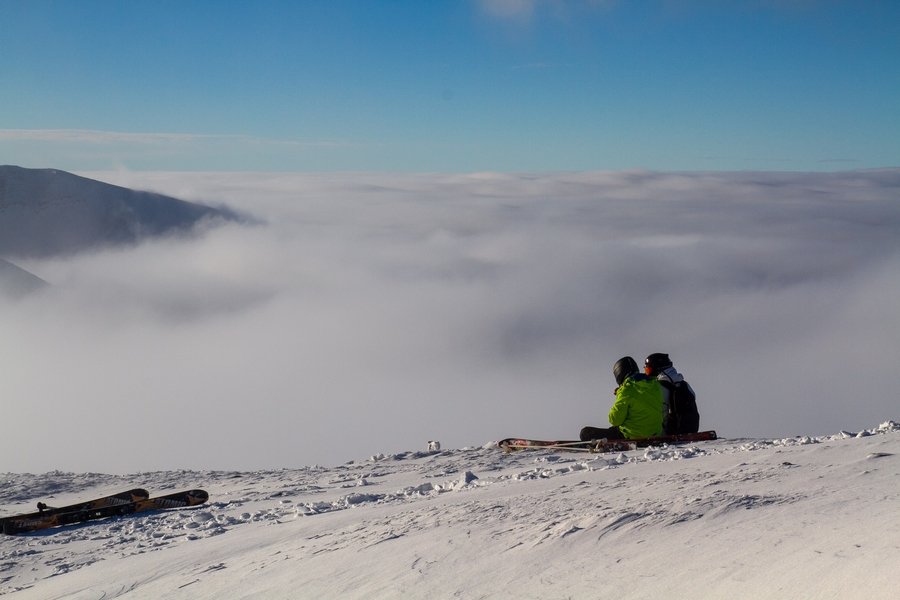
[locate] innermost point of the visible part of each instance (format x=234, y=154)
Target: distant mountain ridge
x=16, y=282
x=47, y=212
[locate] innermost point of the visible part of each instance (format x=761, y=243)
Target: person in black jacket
x=679, y=397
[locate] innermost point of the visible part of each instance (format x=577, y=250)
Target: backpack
x=682, y=414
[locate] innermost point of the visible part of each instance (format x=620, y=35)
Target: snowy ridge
x=796, y=517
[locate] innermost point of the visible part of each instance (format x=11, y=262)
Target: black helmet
x=623, y=368
x=657, y=362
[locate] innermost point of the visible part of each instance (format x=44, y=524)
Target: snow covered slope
x=787, y=518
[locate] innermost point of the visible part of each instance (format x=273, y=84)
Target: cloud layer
x=372, y=313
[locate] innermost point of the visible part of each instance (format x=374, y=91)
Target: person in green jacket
x=638, y=411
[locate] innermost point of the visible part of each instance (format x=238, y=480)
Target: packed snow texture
x=803, y=517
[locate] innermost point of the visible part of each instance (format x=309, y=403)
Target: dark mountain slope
x=16, y=282
x=46, y=212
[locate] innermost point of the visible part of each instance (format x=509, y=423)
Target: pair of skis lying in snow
x=604, y=445
x=124, y=503
x=139, y=500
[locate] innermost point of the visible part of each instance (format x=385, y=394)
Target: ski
x=677, y=438
x=45, y=512
x=27, y=523
x=604, y=445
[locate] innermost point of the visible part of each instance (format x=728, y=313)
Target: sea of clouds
x=366, y=313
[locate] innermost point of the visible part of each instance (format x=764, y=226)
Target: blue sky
x=450, y=86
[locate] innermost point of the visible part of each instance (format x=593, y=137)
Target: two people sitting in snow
x=656, y=402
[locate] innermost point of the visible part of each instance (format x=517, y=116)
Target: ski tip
x=197, y=496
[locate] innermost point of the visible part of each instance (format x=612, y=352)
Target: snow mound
x=797, y=517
